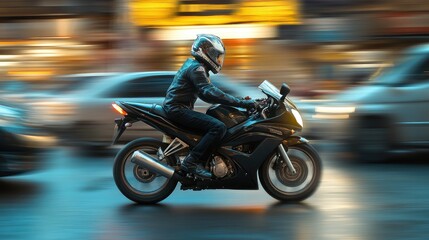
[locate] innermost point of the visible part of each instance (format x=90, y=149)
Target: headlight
x=334, y=112
x=298, y=117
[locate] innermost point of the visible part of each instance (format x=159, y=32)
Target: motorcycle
x=259, y=143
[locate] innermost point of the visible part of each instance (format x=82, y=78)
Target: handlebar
x=262, y=105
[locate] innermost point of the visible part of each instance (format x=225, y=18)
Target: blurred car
x=387, y=115
x=20, y=146
x=13, y=90
x=64, y=84
x=19, y=92
x=85, y=116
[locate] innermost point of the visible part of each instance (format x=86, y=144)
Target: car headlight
x=334, y=112
x=298, y=117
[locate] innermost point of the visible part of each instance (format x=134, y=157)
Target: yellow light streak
x=333, y=116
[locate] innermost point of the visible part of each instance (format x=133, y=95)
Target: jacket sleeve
x=210, y=93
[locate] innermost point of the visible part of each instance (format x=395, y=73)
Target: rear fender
x=157, y=122
x=120, y=126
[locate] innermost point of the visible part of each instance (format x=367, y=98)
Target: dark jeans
x=213, y=130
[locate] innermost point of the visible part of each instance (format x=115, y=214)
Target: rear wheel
x=280, y=183
x=139, y=184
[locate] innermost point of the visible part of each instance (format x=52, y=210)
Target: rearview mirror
x=284, y=90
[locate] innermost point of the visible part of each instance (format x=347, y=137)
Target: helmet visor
x=220, y=59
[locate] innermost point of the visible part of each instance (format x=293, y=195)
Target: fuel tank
x=231, y=116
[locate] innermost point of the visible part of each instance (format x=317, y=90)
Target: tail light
x=119, y=109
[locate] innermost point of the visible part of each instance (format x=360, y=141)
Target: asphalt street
x=75, y=197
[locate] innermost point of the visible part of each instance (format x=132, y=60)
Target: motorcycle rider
x=192, y=81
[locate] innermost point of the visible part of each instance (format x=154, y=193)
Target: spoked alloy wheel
x=137, y=183
x=282, y=184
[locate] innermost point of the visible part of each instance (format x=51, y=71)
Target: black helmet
x=209, y=49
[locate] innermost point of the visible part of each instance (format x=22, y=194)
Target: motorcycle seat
x=152, y=108
x=159, y=110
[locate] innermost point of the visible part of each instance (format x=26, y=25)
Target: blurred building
x=248, y=29
x=317, y=46
x=344, y=42
x=320, y=46
x=39, y=39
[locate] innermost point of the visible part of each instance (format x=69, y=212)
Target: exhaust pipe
x=152, y=164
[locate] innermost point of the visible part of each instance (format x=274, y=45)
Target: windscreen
x=271, y=90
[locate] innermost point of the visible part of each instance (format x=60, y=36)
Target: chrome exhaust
x=145, y=160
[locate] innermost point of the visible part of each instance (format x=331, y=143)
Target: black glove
x=249, y=104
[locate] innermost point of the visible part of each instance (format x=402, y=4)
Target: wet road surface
x=75, y=198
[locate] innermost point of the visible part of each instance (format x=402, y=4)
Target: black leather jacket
x=192, y=81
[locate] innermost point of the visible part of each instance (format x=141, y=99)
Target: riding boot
x=190, y=165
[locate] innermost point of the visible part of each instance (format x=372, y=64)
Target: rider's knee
x=220, y=128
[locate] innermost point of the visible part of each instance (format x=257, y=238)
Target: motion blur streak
x=63, y=63
x=239, y=31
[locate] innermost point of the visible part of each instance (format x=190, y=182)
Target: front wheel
x=280, y=183
x=139, y=184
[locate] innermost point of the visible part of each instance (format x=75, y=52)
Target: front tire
x=139, y=184
x=277, y=180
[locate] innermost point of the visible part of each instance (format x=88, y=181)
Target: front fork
x=286, y=159
x=293, y=140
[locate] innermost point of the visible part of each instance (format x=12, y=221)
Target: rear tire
x=138, y=184
x=281, y=184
